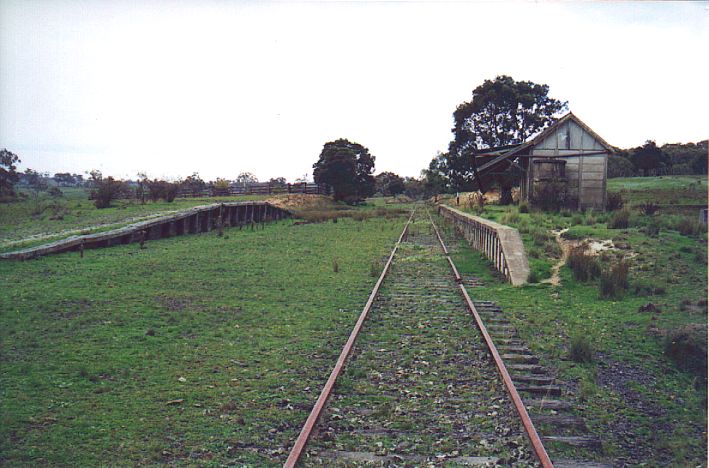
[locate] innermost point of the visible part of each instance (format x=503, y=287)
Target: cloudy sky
x=174, y=87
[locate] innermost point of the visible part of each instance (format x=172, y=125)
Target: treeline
x=651, y=160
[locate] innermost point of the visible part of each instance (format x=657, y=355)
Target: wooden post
x=81, y=249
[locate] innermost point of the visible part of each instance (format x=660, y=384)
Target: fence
x=256, y=189
x=502, y=245
x=192, y=221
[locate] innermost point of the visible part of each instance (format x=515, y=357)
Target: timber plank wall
x=501, y=244
x=191, y=221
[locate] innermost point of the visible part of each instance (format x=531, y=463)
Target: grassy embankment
x=197, y=349
x=52, y=218
x=636, y=399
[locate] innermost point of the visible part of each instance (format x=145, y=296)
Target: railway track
x=419, y=387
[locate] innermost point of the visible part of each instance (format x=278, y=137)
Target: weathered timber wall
x=501, y=244
x=192, y=221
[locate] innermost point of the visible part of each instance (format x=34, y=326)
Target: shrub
x=524, y=207
x=652, y=230
x=619, y=220
x=614, y=201
x=590, y=219
x=584, y=266
x=580, y=349
x=689, y=227
x=614, y=280
x=533, y=276
x=540, y=236
x=577, y=219
x=158, y=189
x=649, y=208
x=686, y=346
x=105, y=190
x=510, y=217
x=55, y=192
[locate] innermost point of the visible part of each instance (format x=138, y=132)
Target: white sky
x=170, y=87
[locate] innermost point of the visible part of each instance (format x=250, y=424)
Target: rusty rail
x=537, y=445
x=309, y=425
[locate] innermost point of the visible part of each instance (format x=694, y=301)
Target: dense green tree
x=347, y=167
x=649, y=159
x=388, y=184
x=502, y=112
x=437, y=177
x=619, y=165
x=8, y=173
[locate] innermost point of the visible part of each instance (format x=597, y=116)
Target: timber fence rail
x=501, y=244
x=191, y=221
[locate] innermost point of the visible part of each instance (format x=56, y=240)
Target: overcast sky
x=170, y=88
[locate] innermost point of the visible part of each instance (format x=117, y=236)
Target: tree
x=502, y=112
x=277, y=181
x=64, y=179
x=246, y=178
x=414, y=188
x=347, y=167
x=436, y=178
x=649, y=158
x=388, y=184
x=105, y=190
x=8, y=173
x=620, y=166
x=194, y=184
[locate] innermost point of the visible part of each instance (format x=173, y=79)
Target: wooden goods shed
x=568, y=150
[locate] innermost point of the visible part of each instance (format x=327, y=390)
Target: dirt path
x=566, y=245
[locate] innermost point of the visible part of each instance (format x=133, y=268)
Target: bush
x=649, y=208
x=55, y=192
x=580, y=349
x=510, y=217
x=614, y=280
x=614, y=201
x=652, y=230
x=158, y=189
x=689, y=227
x=686, y=346
x=524, y=207
x=583, y=265
x=105, y=190
x=619, y=220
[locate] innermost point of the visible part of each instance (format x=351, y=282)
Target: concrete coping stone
x=510, y=241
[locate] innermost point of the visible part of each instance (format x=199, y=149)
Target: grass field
x=671, y=190
x=196, y=350
x=632, y=395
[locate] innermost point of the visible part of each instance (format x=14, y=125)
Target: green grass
x=549, y=318
x=239, y=332
x=672, y=190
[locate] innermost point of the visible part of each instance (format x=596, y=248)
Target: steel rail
x=312, y=420
x=537, y=445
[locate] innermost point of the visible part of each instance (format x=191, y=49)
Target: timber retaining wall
x=191, y=221
x=501, y=244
